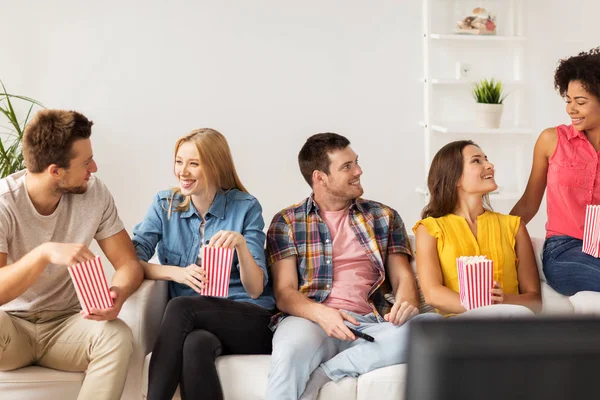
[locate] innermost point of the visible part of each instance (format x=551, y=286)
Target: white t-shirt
x=78, y=218
x=201, y=231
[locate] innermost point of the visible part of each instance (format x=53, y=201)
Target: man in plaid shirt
x=333, y=258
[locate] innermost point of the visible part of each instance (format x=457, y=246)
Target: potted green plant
x=489, y=95
x=11, y=155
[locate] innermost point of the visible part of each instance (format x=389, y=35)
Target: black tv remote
x=362, y=335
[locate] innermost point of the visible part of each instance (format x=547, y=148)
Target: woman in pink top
x=566, y=165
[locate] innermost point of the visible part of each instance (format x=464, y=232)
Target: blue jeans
x=300, y=346
x=568, y=270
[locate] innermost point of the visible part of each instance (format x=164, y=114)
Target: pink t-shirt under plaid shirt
x=299, y=231
x=573, y=182
x=354, y=274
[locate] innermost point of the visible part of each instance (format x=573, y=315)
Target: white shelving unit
x=482, y=38
x=454, y=81
x=443, y=123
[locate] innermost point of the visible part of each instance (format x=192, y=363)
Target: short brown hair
x=444, y=174
x=49, y=136
x=314, y=155
x=584, y=67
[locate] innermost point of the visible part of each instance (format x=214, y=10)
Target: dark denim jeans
x=195, y=330
x=568, y=270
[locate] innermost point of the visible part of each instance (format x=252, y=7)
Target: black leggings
x=194, y=331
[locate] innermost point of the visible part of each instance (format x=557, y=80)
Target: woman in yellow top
x=459, y=222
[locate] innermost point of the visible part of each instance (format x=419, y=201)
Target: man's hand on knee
x=332, y=322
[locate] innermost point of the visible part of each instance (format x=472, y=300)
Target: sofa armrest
x=143, y=312
x=538, y=250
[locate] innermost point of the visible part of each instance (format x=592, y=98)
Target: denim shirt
x=178, y=238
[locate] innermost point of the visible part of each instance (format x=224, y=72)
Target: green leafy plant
x=11, y=155
x=489, y=92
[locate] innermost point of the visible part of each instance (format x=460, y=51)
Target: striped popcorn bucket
x=217, y=264
x=591, y=230
x=475, y=279
x=90, y=285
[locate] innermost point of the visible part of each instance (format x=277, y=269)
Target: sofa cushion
x=382, y=383
x=586, y=303
x=244, y=377
x=32, y=383
x=344, y=389
x=554, y=303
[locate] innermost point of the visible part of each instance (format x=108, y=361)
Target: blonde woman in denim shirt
x=210, y=207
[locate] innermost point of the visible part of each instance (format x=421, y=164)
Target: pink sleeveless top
x=573, y=182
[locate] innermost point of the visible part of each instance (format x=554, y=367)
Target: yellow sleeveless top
x=495, y=239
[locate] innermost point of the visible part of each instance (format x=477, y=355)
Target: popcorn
x=475, y=279
x=591, y=231
x=90, y=285
x=217, y=264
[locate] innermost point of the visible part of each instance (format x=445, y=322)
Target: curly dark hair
x=584, y=67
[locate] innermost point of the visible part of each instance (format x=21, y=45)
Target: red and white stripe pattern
x=475, y=279
x=217, y=264
x=591, y=230
x=90, y=285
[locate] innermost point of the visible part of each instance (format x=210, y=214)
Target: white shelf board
x=472, y=129
x=480, y=38
x=450, y=81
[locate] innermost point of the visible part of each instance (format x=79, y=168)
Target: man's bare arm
x=402, y=279
x=127, y=278
x=17, y=277
x=120, y=252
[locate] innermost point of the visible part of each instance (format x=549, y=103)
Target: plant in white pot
x=11, y=134
x=489, y=95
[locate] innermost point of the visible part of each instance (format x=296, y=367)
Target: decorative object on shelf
x=11, y=155
x=489, y=96
x=480, y=22
x=462, y=70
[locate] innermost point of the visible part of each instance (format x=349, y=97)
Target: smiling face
x=188, y=170
x=583, y=107
x=478, y=172
x=74, y=179
x=343, y=180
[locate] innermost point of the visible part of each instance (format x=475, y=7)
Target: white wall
x=265, y=73
x=557, y=29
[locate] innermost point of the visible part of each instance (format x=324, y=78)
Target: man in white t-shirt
x=49, y=214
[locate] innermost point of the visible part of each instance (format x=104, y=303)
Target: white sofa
x=245, y=377
x=142, y=312
x=242, y=377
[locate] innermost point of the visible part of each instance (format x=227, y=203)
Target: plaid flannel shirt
x=299, y=231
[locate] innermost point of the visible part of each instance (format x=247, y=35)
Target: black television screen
x=537, y=358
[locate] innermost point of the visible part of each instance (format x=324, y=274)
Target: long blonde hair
x=216, y=161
